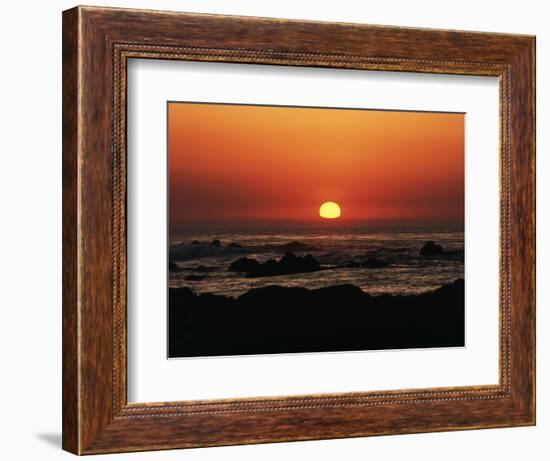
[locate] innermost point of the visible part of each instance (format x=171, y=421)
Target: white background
x=30, y=243
x=153, y=378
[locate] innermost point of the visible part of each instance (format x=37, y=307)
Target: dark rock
x=292, y=264
x=270, y=267
x=216, y=243
x=431, y=249
x=195, y=242
x=194, y=278
x=234, y=245
x=337, y=293
x=244, y=265
x=276, y=319
x=288, y=264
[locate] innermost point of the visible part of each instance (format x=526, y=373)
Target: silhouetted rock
x=270, y=267
x=244, y=265
x=194, y=278
x=216, y=243
x=234, y=245
x=431, y=249
x=195, y=242
x=277, y=319
x=288, y=264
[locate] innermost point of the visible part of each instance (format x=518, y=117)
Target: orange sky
x=246, y=166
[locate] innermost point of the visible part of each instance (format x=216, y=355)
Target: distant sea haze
x=378, y=261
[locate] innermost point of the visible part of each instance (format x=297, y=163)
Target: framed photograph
x=282, y=230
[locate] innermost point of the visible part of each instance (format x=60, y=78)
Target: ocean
x=203, y=258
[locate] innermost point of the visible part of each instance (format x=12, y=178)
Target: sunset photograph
x=297, y=229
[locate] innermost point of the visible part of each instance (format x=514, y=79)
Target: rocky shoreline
x=276, y=319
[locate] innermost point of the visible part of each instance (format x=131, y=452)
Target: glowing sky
x=257, y=166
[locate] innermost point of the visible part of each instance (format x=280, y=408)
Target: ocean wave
x=197, y=249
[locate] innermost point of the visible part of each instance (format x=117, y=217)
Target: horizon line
x=320, y=228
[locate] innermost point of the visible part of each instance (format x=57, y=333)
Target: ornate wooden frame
x=97, y=43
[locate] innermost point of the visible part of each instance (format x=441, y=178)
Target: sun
x=330, y=210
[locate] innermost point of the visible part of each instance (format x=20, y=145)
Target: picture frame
x=97, y=45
